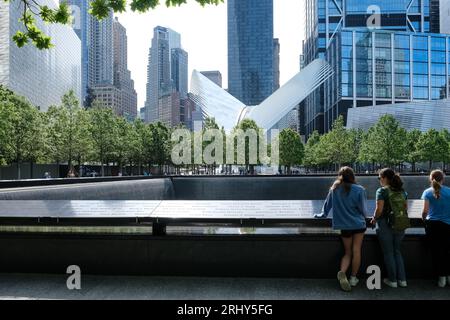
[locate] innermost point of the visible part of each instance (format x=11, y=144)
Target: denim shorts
x=351, y=233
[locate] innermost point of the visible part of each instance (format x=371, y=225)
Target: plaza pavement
x=33, y=286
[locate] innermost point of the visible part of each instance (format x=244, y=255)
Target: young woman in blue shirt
x=436, y=213
x=347, y=203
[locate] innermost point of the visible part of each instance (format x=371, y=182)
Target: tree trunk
x=18, y=170
x=31, y=169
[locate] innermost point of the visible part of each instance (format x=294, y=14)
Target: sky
x=204, y=36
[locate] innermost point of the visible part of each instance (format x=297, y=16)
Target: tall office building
x=42, y=76
x=167, y=77
x=276, y=64
x=435, y=16
x=444, y=16
x=250, y=50
x=81, y=26
x=179, y=71
x=109, y=80
x=101, y=51
x=324, y=22
x=214, y=76
x=122, y=76
x=159, y=69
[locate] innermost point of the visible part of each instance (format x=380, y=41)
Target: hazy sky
x=204, y=36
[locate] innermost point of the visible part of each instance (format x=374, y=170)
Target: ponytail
x=394, y=179
x=397, y=183
x=437, y=178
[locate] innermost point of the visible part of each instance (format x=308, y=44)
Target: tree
x=6, y=111
x=311, y=150
x=445, y=134
x=292, y=150
x=21, y=129
x=159, y=147
x=123, y=143
x=412, y=154
x=103, y=132
x=385, y=143
x=432, y=147
x=66, y=130
x=247, y=126
x=336, y=147
x=100, y=9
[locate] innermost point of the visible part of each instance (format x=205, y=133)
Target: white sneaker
x=353, y=281
x=390, y=283
x=403, y=284
x=442, y=281
x=343, y=281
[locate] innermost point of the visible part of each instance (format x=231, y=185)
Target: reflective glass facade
x=383, y=67
x=250, y=50
x=81, y=25
x=422, y=115
x=324, y=21
x=42, y=76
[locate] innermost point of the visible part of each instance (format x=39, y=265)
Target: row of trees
x=384, y=144
x=69, y=134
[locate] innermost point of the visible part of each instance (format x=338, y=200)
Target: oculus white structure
x=422, y=115
x=228, y=111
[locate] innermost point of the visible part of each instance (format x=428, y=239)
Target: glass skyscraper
x=81, y=26
x=42, y=76
x=325, y=19
x=250, y=50
x=159, y=75
x=384, y=67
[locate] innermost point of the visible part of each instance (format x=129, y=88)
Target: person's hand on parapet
x=319, y=216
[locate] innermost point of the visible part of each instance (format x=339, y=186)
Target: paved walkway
x=20, y=286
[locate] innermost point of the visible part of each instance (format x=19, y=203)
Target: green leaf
x=62, y=14
x=47, y=14
x=143, y=5
x=27, y=18
x=99, y=9
x=20, y=39
x=43, y=42
x=118, y=5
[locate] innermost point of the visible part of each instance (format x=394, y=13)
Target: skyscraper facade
x=167, y=78
x=42, y=76
x=81, y=26
x=101, y=51
x=214, y=76
x=276, y=64
x=159, y=75
x=122, y=76
x=250, y=50
x=326, y=19
x=108, y=78
x=179, y=71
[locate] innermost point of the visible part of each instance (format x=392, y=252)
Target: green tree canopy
x=292, y=150
x=432, y=146
x=20, y=130
x=384, y=143
x=103, y=131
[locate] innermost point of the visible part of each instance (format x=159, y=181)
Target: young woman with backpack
x=347, y=201
x=390, y=216
x=436, y=213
